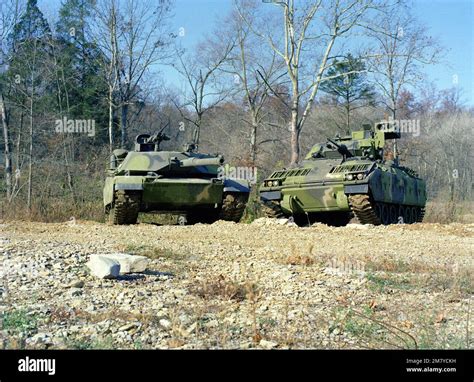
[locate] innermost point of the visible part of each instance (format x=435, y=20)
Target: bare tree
x=132, y=37
x=402, y=48
x=8, y=155
x=28, y=50
x=9, y=16
x=29, y=88
x=56, y=71
x=255, y=69
x=106, y=34
x=144, y=42
x=200, y=73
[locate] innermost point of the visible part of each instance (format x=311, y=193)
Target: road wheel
x=393, y=214
x=414, y=214
x=401, y=215
x=385, y=214
x=406, y=215
x=378, y=211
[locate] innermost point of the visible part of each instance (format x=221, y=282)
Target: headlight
x=349, y=176
x=275, y=183
x=360, y=176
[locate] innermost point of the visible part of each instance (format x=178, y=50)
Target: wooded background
x=273, y=79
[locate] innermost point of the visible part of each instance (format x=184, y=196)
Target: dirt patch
x=229, y=285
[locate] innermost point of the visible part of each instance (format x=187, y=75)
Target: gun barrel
x=191, y=162
x=342, y=149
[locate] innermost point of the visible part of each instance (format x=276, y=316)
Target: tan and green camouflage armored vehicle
x=183, y=183
x=346, y=177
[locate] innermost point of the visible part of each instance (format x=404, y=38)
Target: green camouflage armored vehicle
x=347, y=177
x=183, y=183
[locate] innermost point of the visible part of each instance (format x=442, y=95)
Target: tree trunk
x=295, y=135
x=394, y=141
x=348, y=119
x=18, y=163
x=197, y=131
x=8, y=155
x=30, y=156
x=348, y=112
x=30, y=151
x=123, y=125
x=69, y=178
x=113, y=71
x=253, y=141
x=111, y=120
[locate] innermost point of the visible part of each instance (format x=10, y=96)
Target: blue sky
x=450, y=21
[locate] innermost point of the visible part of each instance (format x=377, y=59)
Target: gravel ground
x=268, y=284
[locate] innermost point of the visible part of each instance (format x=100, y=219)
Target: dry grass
x=459, y=282
x=52, y=210
x=299, y=260
x=296, y=258
x=448, y=212
x=391, y=265
x=223, y=287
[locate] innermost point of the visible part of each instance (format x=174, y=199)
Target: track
x=376, y=213
x=126, y=208
x=233, y=206
x=363, y=209
x=272, y=210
